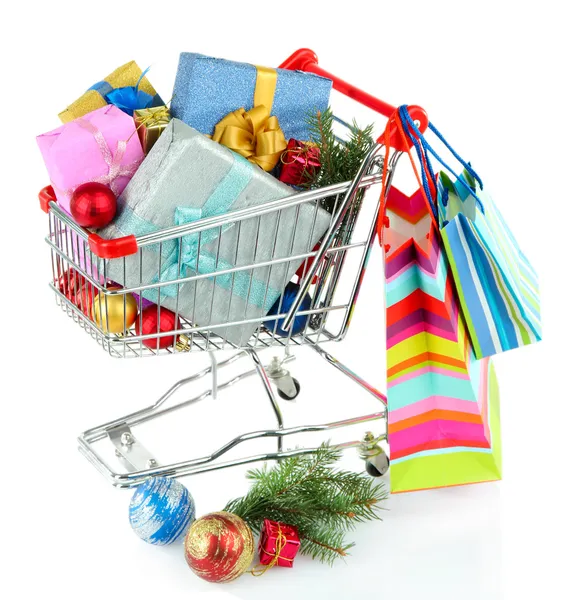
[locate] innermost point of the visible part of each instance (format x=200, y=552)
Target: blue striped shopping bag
x=497, y=286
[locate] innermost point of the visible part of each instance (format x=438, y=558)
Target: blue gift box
x=207, y=89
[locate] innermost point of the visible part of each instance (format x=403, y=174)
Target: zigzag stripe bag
x=443, y=403
x=496, y=285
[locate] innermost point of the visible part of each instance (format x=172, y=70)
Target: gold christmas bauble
x=219, y=547
x=109, y=312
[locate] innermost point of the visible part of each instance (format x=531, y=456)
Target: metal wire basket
x=81, y=263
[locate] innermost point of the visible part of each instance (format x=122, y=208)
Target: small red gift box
x=300, y=161
x=279, y=544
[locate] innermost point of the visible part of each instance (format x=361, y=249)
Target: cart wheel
x=378, y=465
x=287, y=397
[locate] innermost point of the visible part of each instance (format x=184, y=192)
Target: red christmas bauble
x=69, y=280
x=219, y=547
x=93, y=205
x=77, y=290
x=83, y=299
x=151, y=325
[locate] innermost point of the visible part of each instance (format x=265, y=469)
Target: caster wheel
x=286, y=396
x=378, y=465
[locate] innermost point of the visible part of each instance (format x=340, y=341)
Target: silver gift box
x=186, y=177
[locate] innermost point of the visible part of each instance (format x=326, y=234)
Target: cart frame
x=77, y=253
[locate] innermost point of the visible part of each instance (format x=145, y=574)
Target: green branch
x=311, y=494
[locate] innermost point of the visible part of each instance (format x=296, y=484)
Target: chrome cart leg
x=353, y=376
x=214, y=364
x=266, y=382
x=376, y=459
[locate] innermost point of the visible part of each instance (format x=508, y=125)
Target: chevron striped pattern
x=497, y=287
x=442, y=402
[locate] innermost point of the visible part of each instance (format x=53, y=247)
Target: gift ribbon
x=102, y=88
x=280, y=543
x=128, y=98
x=265, y=87
x=153, y=116
x=300, y=162
x=113, y=161
x=192, y=256
x=255, y=134
x=306, y=154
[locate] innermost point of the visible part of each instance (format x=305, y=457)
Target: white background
x=501, y=81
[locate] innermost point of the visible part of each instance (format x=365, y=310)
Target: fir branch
x=340, y=162
x=308, y=492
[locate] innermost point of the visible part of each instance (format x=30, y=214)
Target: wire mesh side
x=219, y=281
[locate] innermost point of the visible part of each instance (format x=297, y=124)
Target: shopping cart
x=331, y=276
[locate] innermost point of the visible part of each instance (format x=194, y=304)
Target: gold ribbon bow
x=253, y=134
x=152, y=117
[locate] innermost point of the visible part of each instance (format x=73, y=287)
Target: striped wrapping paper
x=496, y=284
x=443, y=413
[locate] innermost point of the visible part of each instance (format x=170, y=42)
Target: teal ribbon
x=193, y=256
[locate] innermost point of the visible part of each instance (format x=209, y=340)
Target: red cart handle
x=306, y=60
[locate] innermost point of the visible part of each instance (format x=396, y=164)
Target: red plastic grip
x=45, y=196
x=306, y=60
x=117, y=248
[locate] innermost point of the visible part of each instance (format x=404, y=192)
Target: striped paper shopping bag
x=496, y=284
x=443, y=403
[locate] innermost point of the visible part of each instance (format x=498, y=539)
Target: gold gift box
x=150, y=123
x=125, y=76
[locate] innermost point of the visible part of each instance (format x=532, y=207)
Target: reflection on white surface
x=441, y=544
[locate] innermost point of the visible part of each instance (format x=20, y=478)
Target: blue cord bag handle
x=424, y=149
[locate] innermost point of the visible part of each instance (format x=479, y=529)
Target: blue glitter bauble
x=161, y=511
x=281, y=308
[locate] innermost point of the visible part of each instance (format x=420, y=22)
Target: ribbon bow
x=191, y=257
x=241, y=283
x=153, y=116
x=253, y=134
x=306, y=153
x=300, y=162
x=129, y=98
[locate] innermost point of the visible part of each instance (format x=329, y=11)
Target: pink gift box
x=101, y=146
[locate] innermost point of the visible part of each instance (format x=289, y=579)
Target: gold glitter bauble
x=108, y=312
x=219, y=547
